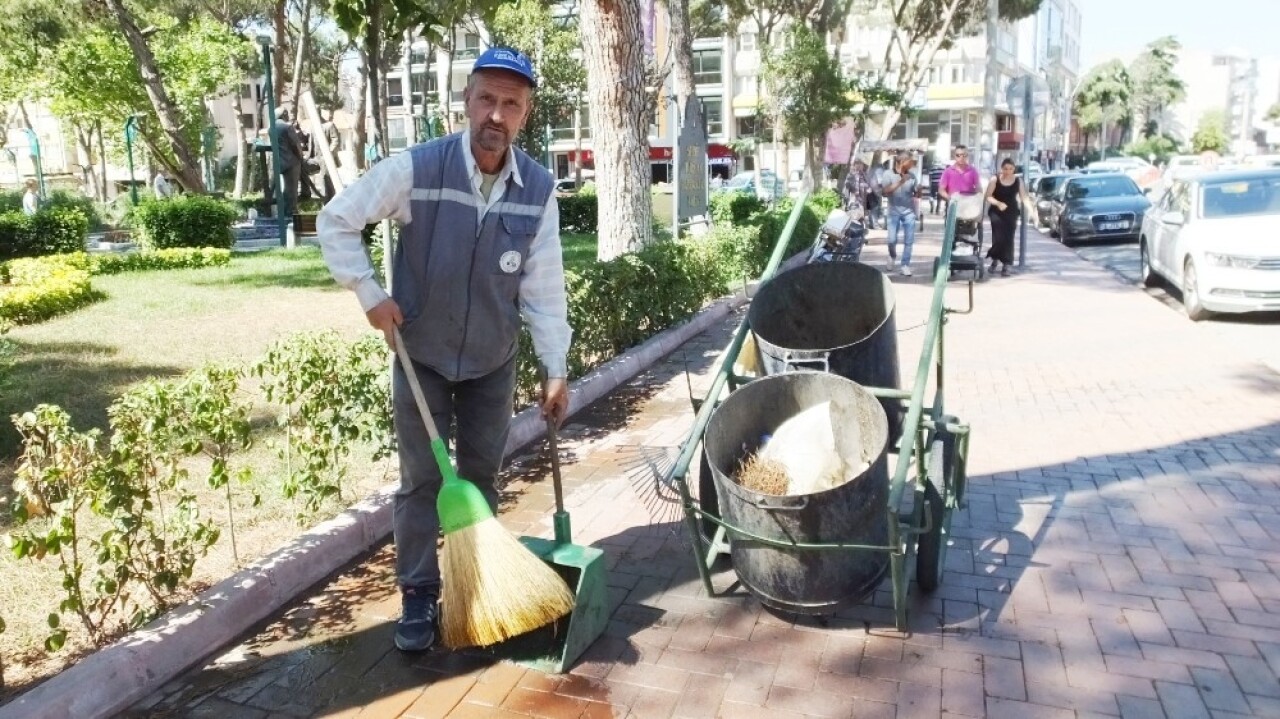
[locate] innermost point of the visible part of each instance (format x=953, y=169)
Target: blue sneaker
x=416, y=630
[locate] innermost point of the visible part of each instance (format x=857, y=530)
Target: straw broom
x=494, y=587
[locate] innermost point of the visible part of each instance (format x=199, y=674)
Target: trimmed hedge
x=734, y=208
x=40, y=288
x=618, y=304
x=11, y=201
x=579, y=213
x=185, y=221
x=50, y=231
x=174, y=258
x=35, y=289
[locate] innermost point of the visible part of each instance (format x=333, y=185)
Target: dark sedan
x=1100, y=207
x=1044, y=190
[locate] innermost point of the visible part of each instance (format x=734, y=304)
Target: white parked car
x=1216, y=237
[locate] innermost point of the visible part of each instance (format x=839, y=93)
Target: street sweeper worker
x=479, y=248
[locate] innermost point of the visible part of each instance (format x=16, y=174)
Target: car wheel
x=1149, y=277
x=1063, y=237
x=1191, y=294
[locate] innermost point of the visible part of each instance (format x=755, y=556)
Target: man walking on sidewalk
x=902, y=187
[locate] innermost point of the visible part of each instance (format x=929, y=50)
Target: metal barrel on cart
x=795, y=579
x=834, y=317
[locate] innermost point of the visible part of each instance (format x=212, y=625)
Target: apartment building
x=947, y=106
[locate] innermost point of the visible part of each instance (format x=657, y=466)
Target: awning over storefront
x=1009, y=140
x=715, y=151
x=717, y=154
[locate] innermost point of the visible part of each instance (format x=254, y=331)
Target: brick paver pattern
x=1118, y=555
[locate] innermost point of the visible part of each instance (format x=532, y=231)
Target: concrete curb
x=118, y=676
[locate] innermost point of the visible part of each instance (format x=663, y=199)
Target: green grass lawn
x=164, y=323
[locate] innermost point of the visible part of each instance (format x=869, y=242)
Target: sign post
x=690, y=161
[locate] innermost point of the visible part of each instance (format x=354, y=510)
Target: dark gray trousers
x=482, y=409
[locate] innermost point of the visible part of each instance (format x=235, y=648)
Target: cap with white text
x=509, y=59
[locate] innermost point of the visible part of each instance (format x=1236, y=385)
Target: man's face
x=962, y=159
x=498, y=104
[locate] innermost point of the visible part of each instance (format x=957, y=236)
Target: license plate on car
x=1104, y=226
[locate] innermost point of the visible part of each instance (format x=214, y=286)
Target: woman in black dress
x=1004, y=194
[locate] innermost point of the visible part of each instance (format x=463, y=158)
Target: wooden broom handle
x=418, y=397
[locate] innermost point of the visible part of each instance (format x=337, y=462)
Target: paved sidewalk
x=1119, y=554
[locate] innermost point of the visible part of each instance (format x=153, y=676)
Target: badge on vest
x=510, y=261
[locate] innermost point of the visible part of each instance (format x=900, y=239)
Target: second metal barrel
x=836, y=317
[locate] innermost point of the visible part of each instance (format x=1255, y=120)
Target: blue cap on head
x=509, y=59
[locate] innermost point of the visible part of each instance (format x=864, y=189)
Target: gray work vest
x=457, y=279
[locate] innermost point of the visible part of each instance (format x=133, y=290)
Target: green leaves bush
x=41, y=289
x=49, y=231
x=118, y=512
x=11, y=201
x=332, y=394
x=734, y=208
x=173, y=258
x=616, y=305
x=579, y=213
x=34, y=289
x=185, y=221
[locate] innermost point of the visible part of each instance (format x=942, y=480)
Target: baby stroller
x=966, y=249
x=841, y=237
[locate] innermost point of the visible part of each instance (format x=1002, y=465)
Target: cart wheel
x=929, y=549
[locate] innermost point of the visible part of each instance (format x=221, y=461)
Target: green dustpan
x=557, y=647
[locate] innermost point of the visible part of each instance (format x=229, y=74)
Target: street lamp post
x=130, y=134
x=276, y=173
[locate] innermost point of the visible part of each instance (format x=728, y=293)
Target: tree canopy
x=1155, y=83
x=1211, y=133
x=1105, y=98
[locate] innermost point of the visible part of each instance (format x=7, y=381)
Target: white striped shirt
x=384, y=193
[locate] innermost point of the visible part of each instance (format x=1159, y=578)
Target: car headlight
x=1079, y=217
x=1235, y=262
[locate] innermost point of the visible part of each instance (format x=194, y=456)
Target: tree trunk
x=279, y=21
x=612, y=51
x=304, y=42
x=373, y=64
x=406, y=86
x=914, y=57
x=242, y=149
x=682, y=49
x=84, y=141
x=102, y=160
x=188, y=175
x=444, y=81
x=362, y=100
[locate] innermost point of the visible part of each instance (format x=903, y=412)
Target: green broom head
x=460, y=503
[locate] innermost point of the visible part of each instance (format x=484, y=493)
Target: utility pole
x=990, y=87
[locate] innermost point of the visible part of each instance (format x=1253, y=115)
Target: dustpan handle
x=556, y=484
x=420, y=399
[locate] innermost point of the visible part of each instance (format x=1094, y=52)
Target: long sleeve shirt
x=383, y=193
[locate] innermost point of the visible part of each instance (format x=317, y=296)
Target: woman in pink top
x=961, y=178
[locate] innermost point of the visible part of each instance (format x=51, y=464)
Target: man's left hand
x=555, y=399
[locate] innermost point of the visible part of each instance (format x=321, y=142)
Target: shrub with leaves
x=579, y=213
x=173, y=258
x=185, y=221
x=333, y=394
x=11, y=201
x=39, y=289
x=48, y=232
x=734, y=208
